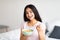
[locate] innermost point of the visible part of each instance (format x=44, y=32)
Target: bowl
x=27, y=32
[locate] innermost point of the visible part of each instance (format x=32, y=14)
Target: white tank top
x=34, y=35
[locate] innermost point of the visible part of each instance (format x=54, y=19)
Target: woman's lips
x=30, y=16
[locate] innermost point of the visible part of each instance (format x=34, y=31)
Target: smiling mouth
x=30, y=16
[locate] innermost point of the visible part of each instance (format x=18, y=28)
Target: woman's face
x=29, y=14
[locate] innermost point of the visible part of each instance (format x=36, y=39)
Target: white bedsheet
x=11, y=35
x=15, y=35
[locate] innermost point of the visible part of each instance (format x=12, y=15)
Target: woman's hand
x=23, y=37
x=38, y=28
x=41, y=33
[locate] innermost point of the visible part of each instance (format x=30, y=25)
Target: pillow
x=46, y=31
x=55, y=33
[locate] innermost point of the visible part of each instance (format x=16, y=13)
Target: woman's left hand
x=38, y=28
x=41, y=33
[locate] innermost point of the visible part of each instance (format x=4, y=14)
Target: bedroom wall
x=11, y=11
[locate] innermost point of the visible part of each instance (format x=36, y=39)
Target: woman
x=34, y=22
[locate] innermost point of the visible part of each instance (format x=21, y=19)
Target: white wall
x=11, y=11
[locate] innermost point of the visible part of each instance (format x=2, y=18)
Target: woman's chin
x=31, y=19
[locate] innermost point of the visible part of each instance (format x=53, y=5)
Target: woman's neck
x=32, y=22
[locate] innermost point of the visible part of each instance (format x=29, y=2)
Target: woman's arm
x=22, y=37
x=41, y=33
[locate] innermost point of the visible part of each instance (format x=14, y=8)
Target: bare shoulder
x=22, y=24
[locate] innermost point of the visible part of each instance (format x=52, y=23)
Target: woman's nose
x=29, y=13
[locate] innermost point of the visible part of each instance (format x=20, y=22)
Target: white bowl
x=27, y=32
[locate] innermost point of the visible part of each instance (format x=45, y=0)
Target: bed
x=11, y=35
x=15, y=34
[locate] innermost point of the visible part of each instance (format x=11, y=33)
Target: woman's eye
x=30, y=11
x=26, y=12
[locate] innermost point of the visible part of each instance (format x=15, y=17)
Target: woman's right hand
x=23, y=37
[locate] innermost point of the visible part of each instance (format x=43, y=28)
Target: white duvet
x=11, y=35
x=15, y=35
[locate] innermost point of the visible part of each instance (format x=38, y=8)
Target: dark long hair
x=33, y=8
